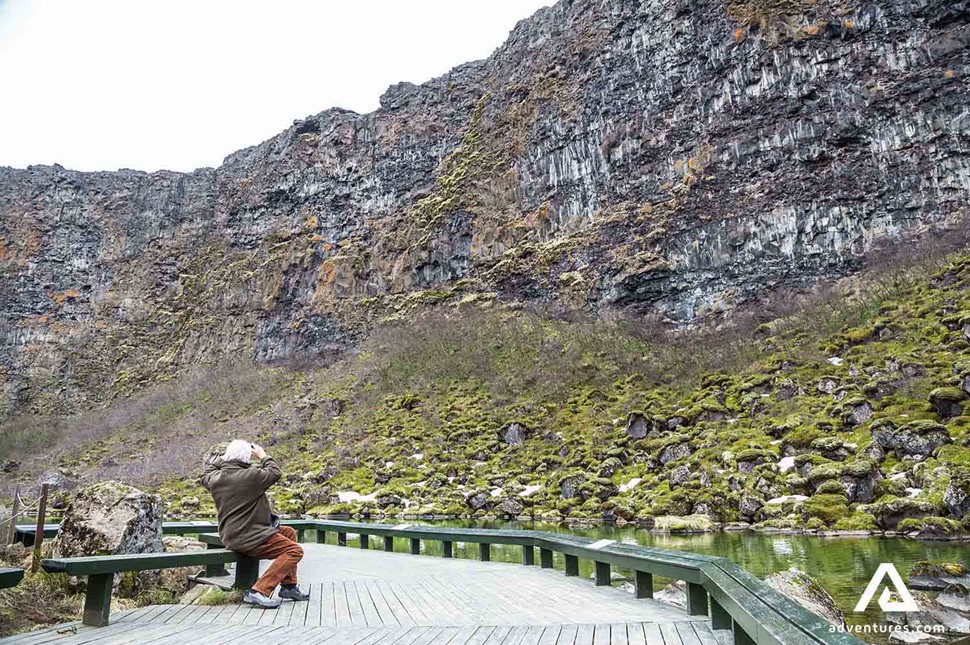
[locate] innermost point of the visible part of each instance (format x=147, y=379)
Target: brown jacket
x=243, y=509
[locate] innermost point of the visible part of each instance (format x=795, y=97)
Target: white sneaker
x=255, y=598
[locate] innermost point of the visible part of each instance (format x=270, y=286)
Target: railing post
x=415, y=546
x=388, y=542
x=741, y=637
x=720, y=618
x=572, y=565
x=215, y=570
x=644, y=584
x=696, y=599
x=97, y=599
x=528, y=555
x=39, y=532
x=602, y=574
x=321, y=536
x=247, y=572
x=300, y=535
x=447, y=549
x=11, y=533
x=484, y=552
x=341, y=539
x=364, y=541
x=545, y=558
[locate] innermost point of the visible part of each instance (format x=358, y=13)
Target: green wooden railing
x=716, y=587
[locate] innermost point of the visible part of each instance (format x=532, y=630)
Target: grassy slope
x=417, y=416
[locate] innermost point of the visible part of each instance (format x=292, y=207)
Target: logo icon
x=906, y=602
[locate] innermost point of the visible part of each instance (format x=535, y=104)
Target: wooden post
x=447, y=549
x=741, y=637
x=602, y=574
x=388, y=543
x=247, y=572
x=321, y=536
x=11, y=534
x=341, y=539
x=545, y=558
x=696, y=599
x=215, y=570
x=528, y=555
x=572, y=565
x=644, y=584
x=39, y=535
x=720, y=619
x=364, y=541
x=97, y=599
x=484, y=551
x=415, y=546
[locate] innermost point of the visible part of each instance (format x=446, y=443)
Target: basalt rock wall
x=666, y=156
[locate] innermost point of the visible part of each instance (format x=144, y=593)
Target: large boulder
x=637, y=426
x=513, y=434
x=110, y=518
x=957, y=495
x=806, y=591
x=917, y=438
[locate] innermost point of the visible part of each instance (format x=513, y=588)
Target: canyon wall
x=669, y=157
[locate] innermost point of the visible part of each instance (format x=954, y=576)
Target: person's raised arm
x=267, y=472
x=211, y=467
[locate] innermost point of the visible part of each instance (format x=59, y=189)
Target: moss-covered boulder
x=948, y=401
x=957, y=495
x=917, y=438
x=889, y=511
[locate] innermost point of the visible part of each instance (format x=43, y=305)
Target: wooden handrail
x=716, y=587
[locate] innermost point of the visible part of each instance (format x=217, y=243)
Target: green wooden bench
x=100, y=571
x=10, y=577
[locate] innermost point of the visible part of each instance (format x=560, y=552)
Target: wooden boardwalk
x=363, y=597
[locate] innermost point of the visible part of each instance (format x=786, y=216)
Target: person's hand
x=258, y=452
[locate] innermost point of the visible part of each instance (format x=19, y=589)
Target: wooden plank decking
x=365, y=597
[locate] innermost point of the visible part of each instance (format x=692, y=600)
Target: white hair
x=238, y=450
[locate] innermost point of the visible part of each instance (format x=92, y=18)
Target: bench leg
x=447, y=549
x=720, y=619
x=415, y=546
x=321, y=537
x=484, y=552
x=247, y=572
x=572, y=565
x=388, y=542
x=528, y=556
x=341, y=539
x=97, y=600
x=741, y=637
x=215, y=570
x=644, y=584
x=365, y=541
x=602, y=574
x=545, y=558
x=696, y=599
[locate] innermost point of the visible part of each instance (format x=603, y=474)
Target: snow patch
x=786, y=464
x=835, y=360
x=630, y=484
x=529, y=490
x=351, y=496
x=787, y=498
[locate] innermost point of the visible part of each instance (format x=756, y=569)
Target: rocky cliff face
x=662, y=155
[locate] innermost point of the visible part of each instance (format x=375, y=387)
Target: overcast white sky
x=179, y=84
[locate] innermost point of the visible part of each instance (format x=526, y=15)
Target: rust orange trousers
x=285, y=553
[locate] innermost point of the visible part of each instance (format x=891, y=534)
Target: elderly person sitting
x=246, y=521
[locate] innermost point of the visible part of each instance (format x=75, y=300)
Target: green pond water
x=843, y=565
